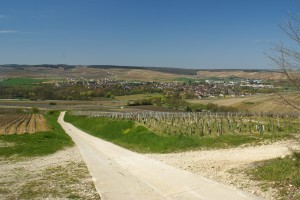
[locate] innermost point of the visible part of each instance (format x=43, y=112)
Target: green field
x=184, y=79
x=137, y=97
x=20, y=81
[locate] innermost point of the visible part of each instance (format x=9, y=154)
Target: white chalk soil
x=121, y=174
x=228, y=166
x=62, y=175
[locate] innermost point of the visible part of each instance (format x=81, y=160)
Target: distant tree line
x=71, y=92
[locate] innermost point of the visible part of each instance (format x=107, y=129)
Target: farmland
x=254, y=103
x=129, y=72
x=167, y=132
x=22, y=123
x=20, y=81
x=147, y=111
x=200, y=124
x=43, y=165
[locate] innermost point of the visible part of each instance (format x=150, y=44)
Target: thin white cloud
x=8, y=31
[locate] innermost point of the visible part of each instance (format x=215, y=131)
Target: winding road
x=120, y=174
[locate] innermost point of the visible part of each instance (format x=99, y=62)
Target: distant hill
x=21, y=67
x=129, y=72
x=170, y=70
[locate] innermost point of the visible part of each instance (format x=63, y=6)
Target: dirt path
x=121, y=174
x=228, y=165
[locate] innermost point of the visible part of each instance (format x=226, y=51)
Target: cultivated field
x=255, y=103
x=22, y=123
x=128, y=74
x=264, y=75
x=200, y=124
x=84, y=72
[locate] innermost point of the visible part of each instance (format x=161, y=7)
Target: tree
x=287, y=57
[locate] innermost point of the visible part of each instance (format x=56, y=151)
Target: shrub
x=35, y=110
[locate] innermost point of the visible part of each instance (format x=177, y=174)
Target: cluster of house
x=208, y=88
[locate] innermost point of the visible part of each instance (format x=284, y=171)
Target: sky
x=202, y=34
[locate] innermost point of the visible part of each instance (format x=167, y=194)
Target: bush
x=151, y=101
x=296, y=154
x=35, y=110
x=51, y=112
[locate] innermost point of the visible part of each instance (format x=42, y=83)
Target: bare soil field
x=228, y=165
x=104, y=105
x=264, y=75
x=117, y=105
x=22, y=123
x=254, y=103
x=144, y=75
x=62, y=175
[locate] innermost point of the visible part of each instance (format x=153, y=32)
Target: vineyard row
x=20, y=123
x=199, y=124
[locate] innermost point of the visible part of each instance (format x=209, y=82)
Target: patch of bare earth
x=264, y=75
x=62, y=175
x=229, y=165
x=22, y=123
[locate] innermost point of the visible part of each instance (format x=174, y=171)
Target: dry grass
x=127, y=74
x=143, y=75
x=254, y=103
x=95, y=73
x=242, y=74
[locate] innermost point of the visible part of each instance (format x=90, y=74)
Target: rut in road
x=121, y=174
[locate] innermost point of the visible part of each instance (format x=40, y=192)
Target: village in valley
x=192, y=88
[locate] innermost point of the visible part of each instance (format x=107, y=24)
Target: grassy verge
x=138, y=138
x=282, y=174
x=37, y=144
x=21, y=81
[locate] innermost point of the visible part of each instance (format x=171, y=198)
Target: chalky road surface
x=121, y=174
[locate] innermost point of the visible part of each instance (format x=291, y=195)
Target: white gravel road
x=121, y=174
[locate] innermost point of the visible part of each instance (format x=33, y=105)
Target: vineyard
x=13, y=123
x=200, y=124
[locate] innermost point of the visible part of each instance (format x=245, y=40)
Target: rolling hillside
x=127, y=72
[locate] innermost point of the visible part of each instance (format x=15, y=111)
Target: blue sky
x=170, y=33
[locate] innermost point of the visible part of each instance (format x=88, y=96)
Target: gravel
x=62, y=175
x=228, y=165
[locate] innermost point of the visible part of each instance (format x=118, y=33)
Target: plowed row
x=22, y=123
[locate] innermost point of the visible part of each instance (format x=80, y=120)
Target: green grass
x=280, y=173
x=184, y=79
x=37, y=144
x=137, y=97
x=138, y=138
x=20, y=81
